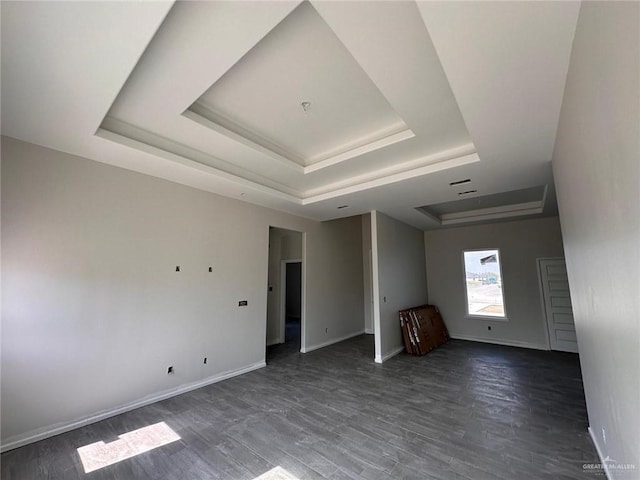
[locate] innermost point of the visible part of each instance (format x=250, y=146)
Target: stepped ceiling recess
x=436, y=113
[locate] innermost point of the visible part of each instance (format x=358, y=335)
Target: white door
x=557, y=304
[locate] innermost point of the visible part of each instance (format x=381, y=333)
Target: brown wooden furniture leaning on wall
x=422, y=329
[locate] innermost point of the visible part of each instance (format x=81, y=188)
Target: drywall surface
x=367, y=275
x=94, y=311
x=283, y=245
x=399, y=279
x=520, y=244
x=596, y=165
x=338, y=285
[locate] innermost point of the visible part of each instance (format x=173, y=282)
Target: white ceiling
x=405, y=97
x=302, y=60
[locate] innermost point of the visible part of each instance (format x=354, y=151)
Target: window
x=483, y=283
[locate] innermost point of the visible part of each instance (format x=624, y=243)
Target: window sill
x=487, y=318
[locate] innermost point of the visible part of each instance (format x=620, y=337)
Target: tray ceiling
x=481, y=208
x=301, y=95
x=360, y=128
x=403, y=98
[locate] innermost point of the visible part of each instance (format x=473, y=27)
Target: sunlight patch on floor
x=277, y=473
x=98, y=455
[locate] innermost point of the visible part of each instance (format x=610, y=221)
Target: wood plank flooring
x=464, y=411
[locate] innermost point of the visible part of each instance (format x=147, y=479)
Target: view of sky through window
x=483, y=281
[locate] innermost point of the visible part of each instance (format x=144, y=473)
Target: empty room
x=290, y=240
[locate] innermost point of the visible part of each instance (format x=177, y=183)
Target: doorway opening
x=285, y=293
x=292, y=302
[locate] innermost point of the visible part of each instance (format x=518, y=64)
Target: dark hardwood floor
x=464, y=411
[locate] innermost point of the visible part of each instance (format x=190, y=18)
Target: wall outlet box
x=242, y=303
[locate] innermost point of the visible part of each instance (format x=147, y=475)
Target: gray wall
x=93, y=311
x=399, y=279
x=520, y=244
x=336, y=306
x=596, y=166
x=367, y=273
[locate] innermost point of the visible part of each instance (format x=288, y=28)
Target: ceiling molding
x=208, y=118
x=506, y=211
x=129, y=135
x=382, y=142
x=213, y=120
x=410, y=165
x=396, y=177
x=198, y=165
x=478, y=84
x=500, y=212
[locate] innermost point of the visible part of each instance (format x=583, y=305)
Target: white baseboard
x=392, y=353
x=330, y=342
x=604, y=464
x=369, y=331
x=274, y=341
x=509, y=343
x=57, y=429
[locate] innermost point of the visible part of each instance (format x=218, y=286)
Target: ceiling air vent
x=460, y=182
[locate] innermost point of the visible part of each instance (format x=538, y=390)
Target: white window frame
x=476, y=316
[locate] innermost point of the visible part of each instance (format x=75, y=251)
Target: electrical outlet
x=242, y=303
x=170, y=370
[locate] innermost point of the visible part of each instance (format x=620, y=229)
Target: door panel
x=565, y=318
x=557, y=304
x=565, y=336
x=558, y=300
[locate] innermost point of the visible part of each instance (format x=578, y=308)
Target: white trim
x=604, y=464
x=492, y=213
x=331, y=342
x=386, y=357
x=375, y=279
x=372, y=146
x=486, y=317
x=217, y=122
x=385, y=176
x=508, y=343
x=129, y=136
x=369, y=331
x=260, y=186
x=303, y=294
x=57, y=429
x=542, y=304
x=468, y=315
x=210, y=118
x=505, y=211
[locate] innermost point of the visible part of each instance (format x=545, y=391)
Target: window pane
x=484, y=283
